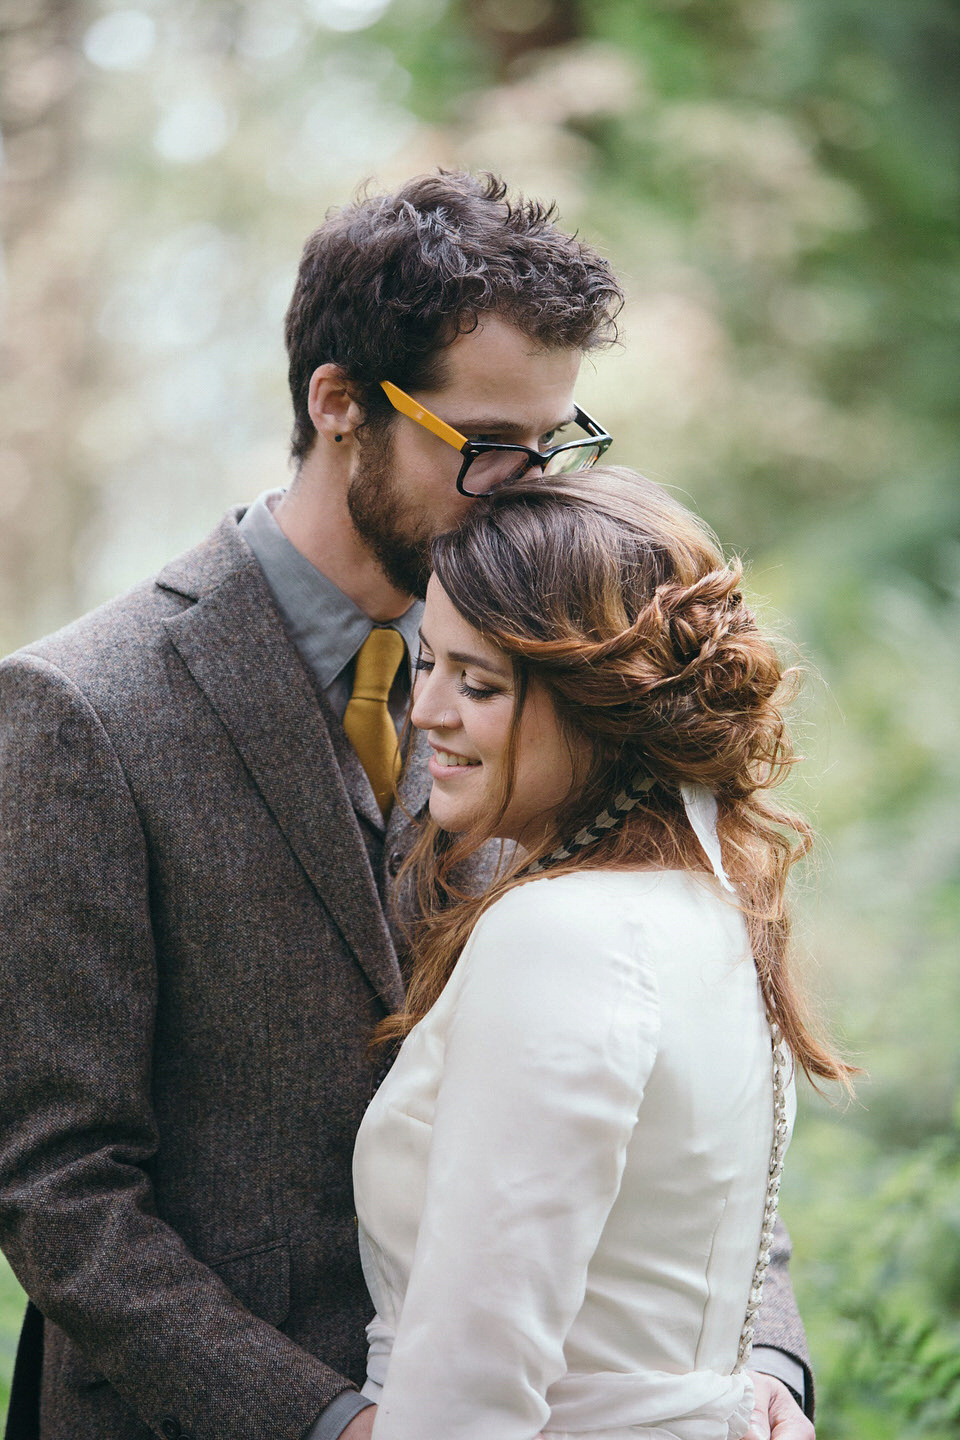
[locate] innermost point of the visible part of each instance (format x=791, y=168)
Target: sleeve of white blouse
x=552, y=1039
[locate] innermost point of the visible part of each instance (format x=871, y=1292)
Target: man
x=197, y=860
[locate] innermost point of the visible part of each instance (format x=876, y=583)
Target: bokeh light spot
x=348, y=15
x=123, y=40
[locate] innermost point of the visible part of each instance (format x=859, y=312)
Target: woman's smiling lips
x=445, y=763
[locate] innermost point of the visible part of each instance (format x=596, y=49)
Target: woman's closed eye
x=425, y=663
x=475, y=692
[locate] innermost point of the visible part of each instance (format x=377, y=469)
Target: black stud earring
x=338, y=438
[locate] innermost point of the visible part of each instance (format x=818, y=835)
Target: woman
x=566, y=1185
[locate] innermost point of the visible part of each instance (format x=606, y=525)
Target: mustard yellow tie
x=367, y=721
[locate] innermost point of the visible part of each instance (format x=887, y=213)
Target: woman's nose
x=428, y=711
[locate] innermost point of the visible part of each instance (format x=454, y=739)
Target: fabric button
x=395, y=861
x=170, y=1428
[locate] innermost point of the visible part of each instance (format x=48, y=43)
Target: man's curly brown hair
x=387, y=282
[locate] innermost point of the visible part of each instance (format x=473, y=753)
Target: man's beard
x=378, y=517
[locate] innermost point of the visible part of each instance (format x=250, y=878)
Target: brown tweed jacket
x=193, y=950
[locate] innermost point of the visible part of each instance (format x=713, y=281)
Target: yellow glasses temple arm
x=401, y=401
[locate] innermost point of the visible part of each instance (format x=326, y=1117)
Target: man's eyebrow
x=462, y=657
x=488, y=425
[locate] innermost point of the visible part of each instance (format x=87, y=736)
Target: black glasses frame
x=474, y=448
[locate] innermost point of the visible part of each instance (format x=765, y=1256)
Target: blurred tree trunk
x=45, y=364
x=509, y=30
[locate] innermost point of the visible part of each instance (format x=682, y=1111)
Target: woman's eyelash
x=472, y=693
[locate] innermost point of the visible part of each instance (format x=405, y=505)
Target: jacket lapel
x=402, y=829
x=235, y=647
x=355, y=778
x=415, y=785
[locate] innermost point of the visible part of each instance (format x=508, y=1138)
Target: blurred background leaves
x=776, y=181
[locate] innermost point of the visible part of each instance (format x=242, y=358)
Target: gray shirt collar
x=325, y=625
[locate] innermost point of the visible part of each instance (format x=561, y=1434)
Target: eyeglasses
x=487, y=464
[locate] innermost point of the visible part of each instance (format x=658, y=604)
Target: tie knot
x=378, y=661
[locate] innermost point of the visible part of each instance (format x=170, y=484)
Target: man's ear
x=334, y=411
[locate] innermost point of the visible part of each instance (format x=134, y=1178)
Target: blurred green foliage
x=11, y=1311
x=777, y=182
x=880, y=1280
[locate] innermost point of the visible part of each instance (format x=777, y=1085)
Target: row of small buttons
x=170, y=1429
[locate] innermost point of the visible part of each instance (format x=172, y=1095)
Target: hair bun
x=703, y=685
x=699, y=618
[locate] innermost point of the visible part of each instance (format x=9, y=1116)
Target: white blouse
x=560, y=1184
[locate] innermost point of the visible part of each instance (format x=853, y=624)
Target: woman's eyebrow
x=462, y=657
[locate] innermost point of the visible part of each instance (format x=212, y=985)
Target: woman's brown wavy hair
x=606, y=591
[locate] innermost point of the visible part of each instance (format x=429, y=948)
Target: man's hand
x=776, y=1415
x=361, y=1426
